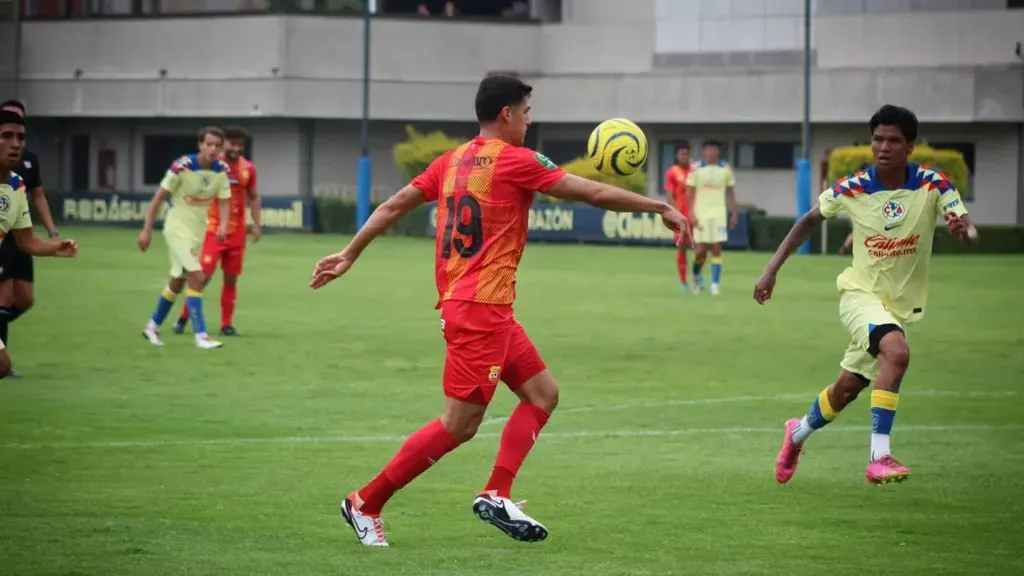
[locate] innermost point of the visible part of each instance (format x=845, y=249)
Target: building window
x=159, y=150
x=667, y=157
x=967, y=149
x=767, y=155
x=564, y=151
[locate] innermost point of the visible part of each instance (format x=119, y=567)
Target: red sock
x=184, y=313
x=425, y=447
x=228, y=295
x=681, y=265
x=517, y=439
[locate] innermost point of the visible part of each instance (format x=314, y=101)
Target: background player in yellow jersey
x=14, y=212
x=192, y=183
x=894, y=206
x=711, y=192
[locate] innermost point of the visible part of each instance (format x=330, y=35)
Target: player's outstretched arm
x=382, y=218
x=801, y=231
x=575, y=188
x=27, y=240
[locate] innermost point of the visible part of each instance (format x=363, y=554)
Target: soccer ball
x=617, y=147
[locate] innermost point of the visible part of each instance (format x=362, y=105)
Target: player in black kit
x=17, y=293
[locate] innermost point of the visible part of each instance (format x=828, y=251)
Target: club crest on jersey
x=5, y=203
x=893, y=210
x=494, y=375
x=205, y=182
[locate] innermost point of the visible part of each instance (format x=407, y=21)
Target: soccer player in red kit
x=484, y=190
x=675, y=188
x=230, y=252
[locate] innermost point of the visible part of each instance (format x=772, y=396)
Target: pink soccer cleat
x=885, y=470
x=785, y=463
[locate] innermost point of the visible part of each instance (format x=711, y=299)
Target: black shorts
x=14, y=264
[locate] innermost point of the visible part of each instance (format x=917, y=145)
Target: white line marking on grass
x=545, y=435
x=735, y=399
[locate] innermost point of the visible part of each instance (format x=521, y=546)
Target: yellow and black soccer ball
x=617, y=147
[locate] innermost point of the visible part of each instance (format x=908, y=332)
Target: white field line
x=736, y=399
x=545, y=435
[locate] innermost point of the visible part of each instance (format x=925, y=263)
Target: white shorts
x=861, y=313
x=184, y=255
x=711, y=231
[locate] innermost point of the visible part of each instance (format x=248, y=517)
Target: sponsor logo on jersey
x=881, y=246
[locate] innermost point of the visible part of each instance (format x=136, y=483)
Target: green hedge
x=337, y=216
x=767, y=233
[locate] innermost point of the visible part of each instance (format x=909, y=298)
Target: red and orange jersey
x=242, y=175
x=483, y=190
x=675, y=185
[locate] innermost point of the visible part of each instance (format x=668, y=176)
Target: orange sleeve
x=429, y=182
x=670, y=181
x=252, y=178
x=528, y=170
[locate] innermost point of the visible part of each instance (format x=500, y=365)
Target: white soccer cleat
x=507, y=516
x=714, y=290
x=204, y=342
x=369, y=528
x=153, y=335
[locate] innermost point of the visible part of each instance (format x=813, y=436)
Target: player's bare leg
x=182, y=322
x=894, y=357
x=362, y=509
x=716, y=267
x=228, y=296
x=538, y=398
x=163, y=306
x=825, y=408
x=196, y=282
x=5, y=363
x=700, y=255
x=16, y=297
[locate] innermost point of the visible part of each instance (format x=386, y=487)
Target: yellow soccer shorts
x=711, y=230
x=184, y=254
x=861, y=313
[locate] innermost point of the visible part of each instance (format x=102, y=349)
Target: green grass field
x=121, y=458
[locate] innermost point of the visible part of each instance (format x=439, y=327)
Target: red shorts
x=486, y=344
x=229, y=253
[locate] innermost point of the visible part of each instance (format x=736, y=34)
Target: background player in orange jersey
x=230, y=252
x=483, y=190
x=675, y=188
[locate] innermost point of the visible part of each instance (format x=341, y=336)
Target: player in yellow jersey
x=894, y=206
x=192, y=183
x=14, y=212
x=710, y=190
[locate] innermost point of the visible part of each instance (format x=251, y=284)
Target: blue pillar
x=803, y=196
x=363, y=180
x=364, y=172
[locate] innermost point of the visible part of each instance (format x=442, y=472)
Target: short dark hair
x=898, y=116
x=683, y=146
x=8, y=117
x=211, y=131
x=235, y=133
x=497, y=91
x=14, y=104
x=714, y=143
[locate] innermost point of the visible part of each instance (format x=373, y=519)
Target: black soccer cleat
x=506, y=516
x=229, y=331
x=179, y=325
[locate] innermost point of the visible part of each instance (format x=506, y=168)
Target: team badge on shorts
x=207, y=258
x=495, y=374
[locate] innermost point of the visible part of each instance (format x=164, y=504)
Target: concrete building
x=113, y=98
